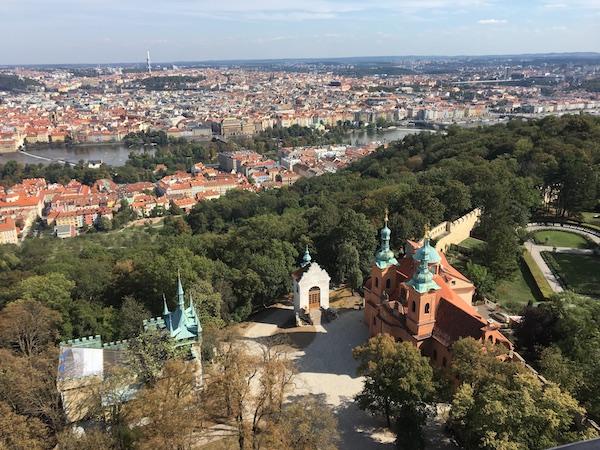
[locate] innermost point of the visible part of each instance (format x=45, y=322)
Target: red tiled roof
x=297, y=275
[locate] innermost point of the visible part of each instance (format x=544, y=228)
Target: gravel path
x=328, y=370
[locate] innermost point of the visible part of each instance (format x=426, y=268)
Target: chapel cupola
x=306, y=259
x=385, y=256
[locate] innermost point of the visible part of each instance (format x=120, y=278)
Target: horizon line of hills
x=332, y=60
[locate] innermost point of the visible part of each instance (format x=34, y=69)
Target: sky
x=105, y=31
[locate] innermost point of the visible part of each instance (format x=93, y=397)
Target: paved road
x=536, y=250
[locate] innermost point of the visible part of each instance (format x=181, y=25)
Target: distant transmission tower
x=148, y=66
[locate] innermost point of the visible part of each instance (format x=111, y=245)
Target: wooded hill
x=236, y=254
x=244, y=246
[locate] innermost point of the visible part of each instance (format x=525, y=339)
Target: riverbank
x=113, y=154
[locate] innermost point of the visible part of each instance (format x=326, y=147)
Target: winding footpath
x=536, y=249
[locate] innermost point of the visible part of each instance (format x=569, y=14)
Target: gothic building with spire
x=88, y=360
x=182, y=323
x=423, y=300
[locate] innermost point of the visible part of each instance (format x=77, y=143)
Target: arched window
x=426, y=308
x=414, y=307
x=403, y=294
x=376, y=282
x=444, y=362
x=435, y=355
x=374, y=320
x=387, y=283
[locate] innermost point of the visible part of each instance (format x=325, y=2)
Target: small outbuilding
x=311, y=285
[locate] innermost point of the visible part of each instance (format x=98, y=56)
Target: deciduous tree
x=398, y=384
x=28, y=327
x=168, y=412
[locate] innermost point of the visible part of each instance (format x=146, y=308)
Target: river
x=385, y=135
x=117, y=154
x=113, y=155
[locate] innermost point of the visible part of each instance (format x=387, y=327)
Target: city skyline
x=97, y=32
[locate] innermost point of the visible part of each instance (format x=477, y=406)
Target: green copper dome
x=385, y=232
x=384, y=256
x=306, y=259
x=427, y=252
x=422, y=280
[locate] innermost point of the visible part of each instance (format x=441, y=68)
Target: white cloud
x=555, y=6
x=491, y=21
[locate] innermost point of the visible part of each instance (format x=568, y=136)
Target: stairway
x=316, y=315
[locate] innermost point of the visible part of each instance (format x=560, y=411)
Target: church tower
x=420, y=292
x=383, y=273
x=384, y=264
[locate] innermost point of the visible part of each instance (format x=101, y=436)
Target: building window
x=426, y=308
x=435, y=355
x=376, y=282
x=414, y=306
x=297, y=288
x=444, y=362
x=374, y=320
x=387, y=283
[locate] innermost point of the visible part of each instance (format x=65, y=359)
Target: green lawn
x=582, y=272
x=514, y=294
x=557, y=238
x=471, y=243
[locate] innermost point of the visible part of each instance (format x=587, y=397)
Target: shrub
x=537, y=275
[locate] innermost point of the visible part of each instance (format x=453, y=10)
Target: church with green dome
x=420, y=298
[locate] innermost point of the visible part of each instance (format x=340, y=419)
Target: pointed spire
x=306, y=259
x=166, y=311
x=180, y=300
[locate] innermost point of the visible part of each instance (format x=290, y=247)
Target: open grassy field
x=514, y=294
x=559, y=238
x=582, y=272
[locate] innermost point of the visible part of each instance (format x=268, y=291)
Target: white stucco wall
x=314, y=276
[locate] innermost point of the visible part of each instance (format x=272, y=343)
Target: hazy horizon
x=108, y=31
